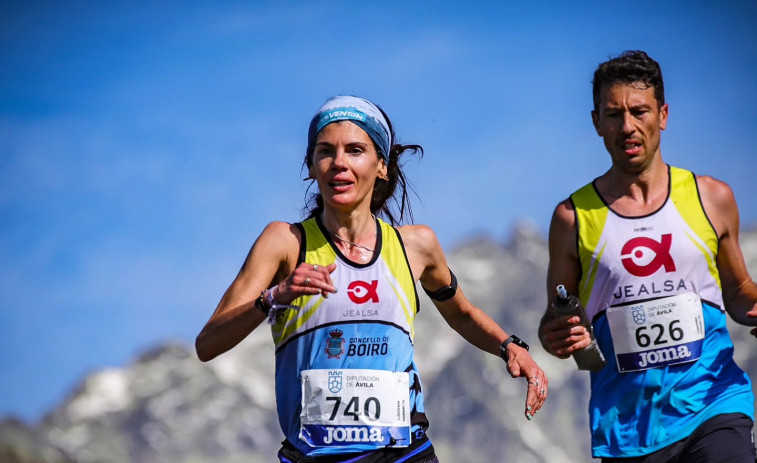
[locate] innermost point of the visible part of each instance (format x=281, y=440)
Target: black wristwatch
x=512, y=339
x=262, y=304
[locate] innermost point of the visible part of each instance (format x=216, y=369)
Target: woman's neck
x=353, y=226
x=355, y=235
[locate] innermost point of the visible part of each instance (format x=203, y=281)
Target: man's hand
x=564, y=336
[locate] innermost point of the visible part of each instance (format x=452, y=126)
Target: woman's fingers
x=536, y=394
x=307, y=279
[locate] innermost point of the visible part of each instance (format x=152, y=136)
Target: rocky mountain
x=169, y=407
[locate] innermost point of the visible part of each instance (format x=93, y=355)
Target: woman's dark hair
x=390, y=197
x=631, y=67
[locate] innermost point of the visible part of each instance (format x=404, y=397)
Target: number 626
x=658, y=331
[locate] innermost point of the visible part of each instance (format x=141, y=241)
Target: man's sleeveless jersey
x=367, y=326
x=635, y=272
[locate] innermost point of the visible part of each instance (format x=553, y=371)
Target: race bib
x=657, y=333
x=347, y=407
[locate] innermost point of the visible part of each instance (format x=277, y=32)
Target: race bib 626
x=657, y=333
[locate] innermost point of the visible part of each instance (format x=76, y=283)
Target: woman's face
x=346, y=165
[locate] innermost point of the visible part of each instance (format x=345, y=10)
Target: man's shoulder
x=586, y=197
x=564, y=215
x=563, y=220
x=703, y=181
x=712, y=185
x=715, y=192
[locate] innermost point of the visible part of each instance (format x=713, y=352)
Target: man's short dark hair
x=631, y=67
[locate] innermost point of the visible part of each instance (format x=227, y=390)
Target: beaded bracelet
x=266, y=302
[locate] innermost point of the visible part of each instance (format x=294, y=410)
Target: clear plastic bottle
x=590, y=357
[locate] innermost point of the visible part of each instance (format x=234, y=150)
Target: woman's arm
x=271, y=258
x=428, y=263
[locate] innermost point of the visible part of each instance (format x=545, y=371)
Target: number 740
x=371, y=408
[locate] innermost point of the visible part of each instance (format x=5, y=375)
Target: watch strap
x=514, y=340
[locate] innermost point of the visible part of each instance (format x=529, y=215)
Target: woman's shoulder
x=282, y=233
x=281, y=227
x=421, y=237
x=416, y=230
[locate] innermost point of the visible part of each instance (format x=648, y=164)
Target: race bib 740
x=355, y=406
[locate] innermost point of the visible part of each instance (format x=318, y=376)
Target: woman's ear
x=382, y=170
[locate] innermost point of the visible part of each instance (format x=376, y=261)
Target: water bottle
x=590, y=357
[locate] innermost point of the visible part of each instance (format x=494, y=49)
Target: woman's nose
x=339, y=157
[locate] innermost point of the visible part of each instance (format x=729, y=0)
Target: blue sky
x=144, y=145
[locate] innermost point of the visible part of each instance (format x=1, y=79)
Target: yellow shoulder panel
x=591, y=214
x=684, y=193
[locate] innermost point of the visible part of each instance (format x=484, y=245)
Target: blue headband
x=359, y=111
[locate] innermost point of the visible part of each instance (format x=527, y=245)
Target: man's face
x=629, y=120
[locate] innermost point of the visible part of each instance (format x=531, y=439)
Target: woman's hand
x=307, y=279
x=520, y=364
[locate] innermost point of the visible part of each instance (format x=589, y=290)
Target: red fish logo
x=643, y=256
x=361, y=292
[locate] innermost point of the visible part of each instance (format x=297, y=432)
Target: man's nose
x=628, y=123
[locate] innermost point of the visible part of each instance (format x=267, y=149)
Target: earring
x=384, y=178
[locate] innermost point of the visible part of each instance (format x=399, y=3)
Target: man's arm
x=739, y=290
x=562, y=336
